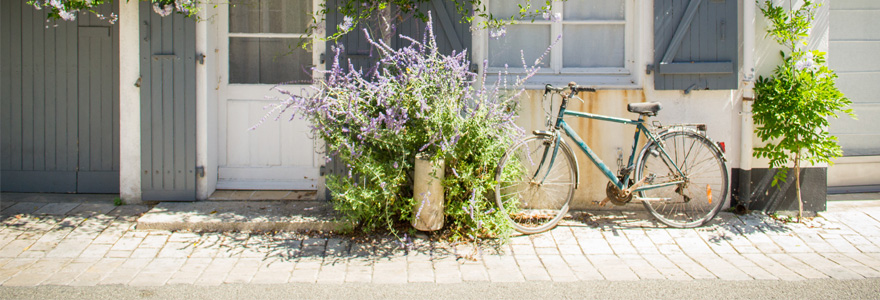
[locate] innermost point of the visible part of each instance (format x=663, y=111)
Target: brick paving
x=86, y=244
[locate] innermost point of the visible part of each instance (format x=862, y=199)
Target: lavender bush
x=414, y=100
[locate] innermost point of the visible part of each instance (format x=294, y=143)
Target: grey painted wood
x=27, y=88
x=5, y=85
x=44, y=117
x=695, y=44
x=167, y=106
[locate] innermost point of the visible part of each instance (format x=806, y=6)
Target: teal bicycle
x=679, y=174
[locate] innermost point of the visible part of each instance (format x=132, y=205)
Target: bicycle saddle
x=649, y=108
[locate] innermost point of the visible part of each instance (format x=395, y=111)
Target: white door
x=260, y=38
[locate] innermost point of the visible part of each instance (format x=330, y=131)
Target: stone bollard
x=428, y=193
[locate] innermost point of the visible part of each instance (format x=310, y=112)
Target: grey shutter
x=58, y=101
x=452, y=34
x=168, y=115
x=356, y=47
x=695, y=44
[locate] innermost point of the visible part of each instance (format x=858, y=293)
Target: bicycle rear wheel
x=704, y=191
x=533, y=187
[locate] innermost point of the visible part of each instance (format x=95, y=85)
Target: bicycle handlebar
x=571, y=86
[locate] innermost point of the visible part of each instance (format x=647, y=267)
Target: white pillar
x=129, y=103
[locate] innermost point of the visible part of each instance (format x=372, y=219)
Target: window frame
x=623, y=77
x=224, y=35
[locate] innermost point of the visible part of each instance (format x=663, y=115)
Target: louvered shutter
x=695, y=45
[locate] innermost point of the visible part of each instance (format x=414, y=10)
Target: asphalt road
x=645, y=289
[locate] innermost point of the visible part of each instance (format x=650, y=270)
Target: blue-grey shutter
x=695, y=44
x=168, y=106
x=59, y=96
x=452, y=34
x=356, y=47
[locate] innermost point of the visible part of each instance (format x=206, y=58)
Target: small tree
x=792, y=106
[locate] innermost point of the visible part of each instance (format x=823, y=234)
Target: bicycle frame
x=640, y=129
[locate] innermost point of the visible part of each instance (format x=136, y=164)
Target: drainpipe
x=747, y=130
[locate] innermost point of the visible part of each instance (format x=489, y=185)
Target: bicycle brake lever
x=579, y=98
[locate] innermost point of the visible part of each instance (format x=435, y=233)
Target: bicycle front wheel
x=534, y=187
x=703, y=190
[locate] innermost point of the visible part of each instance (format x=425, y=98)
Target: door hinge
x=323, y=170
x=200, y=171
x=139, y=81
x=649, y=69
x=201, y=58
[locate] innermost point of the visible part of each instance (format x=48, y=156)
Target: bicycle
x=677, y=173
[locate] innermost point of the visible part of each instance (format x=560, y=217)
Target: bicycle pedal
x=603, y=202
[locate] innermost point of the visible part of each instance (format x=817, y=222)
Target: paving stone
x=392, y=271
x=586, y=232
x=15, y=248
x=619, y=243
x=217, y=271
x=693, y=245
x=119, y=253
x=502, y=269
x=828, y=267
x=641, y=242
x=816, y=242
x=668, y=249
x=89, y=229
x=692, y=268
x=532, y=269
x=420, y=271
x=719, y=267
x=94, y=274
x=749, y=267
x=763, y=242
x=176, y=249
x=851, y=264
x=659, y=236
x=356, y=270
x=523, y=249
x=790, y=243
x=773, y=267
x=113, y=232
x=582, y=268
x=447, y=270
x=546, y=251
x=69, y=248
x=56, y=208
x=543, y=240
x=840, y=244
x=558, y=269
x=272, y=277
x=126, y=244
x=23, y=208
x=666, y=267
x=717, y=240
x=190, y=271
x=612, y=267
x=37, y=272
x=305, y=271
x=866, y=259
x=861, y=243
x=243, y=271
x=92, y=209
x=13, y=267
x=595, y=246
x=69, y=272
x=641, y=267
x=797, y=266
x=563, y=236
x=154, y=241
x=145, y=253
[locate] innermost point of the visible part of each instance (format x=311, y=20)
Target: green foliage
x=67, y=9
x=416, y=101
x=792, y=107
x=369, y=13
x=117, y=201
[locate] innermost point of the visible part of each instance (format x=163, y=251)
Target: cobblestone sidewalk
x=96, y=243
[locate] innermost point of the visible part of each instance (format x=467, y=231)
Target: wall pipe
x=746, y=127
